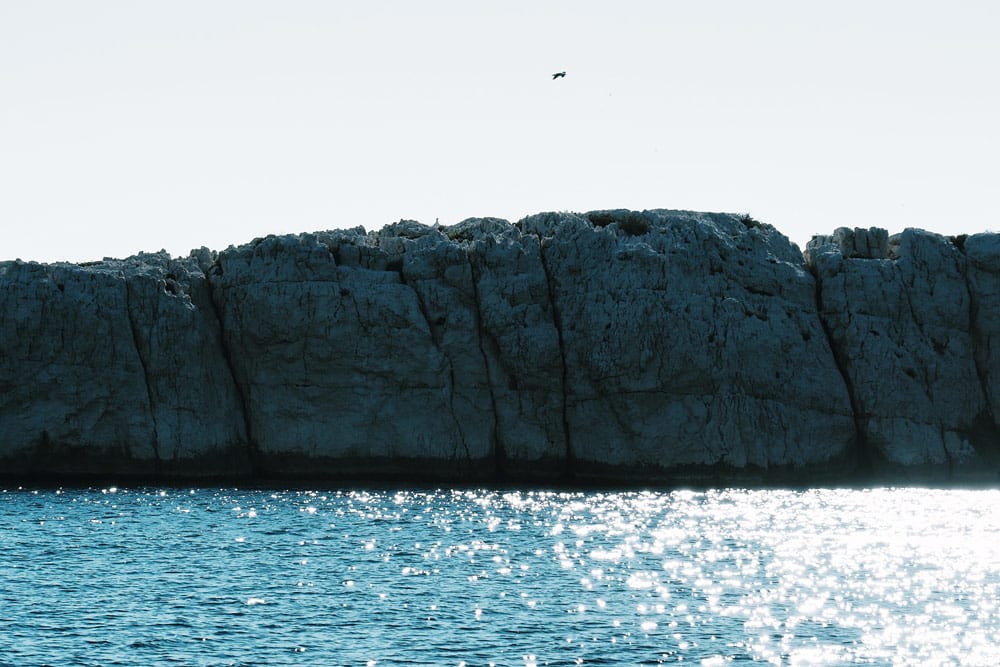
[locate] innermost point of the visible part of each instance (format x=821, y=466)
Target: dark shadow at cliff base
x=716, y=476
x=408, y=470
x=232, y=464
x=50, y=461
x=48, y=458
x=972, y=475
x=985, y=439
x=303, y=472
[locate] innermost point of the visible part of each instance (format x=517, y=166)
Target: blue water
x=490, y=577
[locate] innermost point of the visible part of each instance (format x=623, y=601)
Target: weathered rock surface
x=694, y=343
x=983, y=275
x=116, y=367
x=608, y=346
x=899, y=315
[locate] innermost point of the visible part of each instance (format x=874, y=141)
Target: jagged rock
x=196, y=407
x=475, y=229
x=983, y=254
x=338, y=363
x=695, y=343
x=606, y=345
x=407, y=229
x=72, y=389
x=857, y=243
x=114, y=367
x=519, y=340
x=902, y=331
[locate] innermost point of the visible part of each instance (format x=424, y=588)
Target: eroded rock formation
x=608, y=346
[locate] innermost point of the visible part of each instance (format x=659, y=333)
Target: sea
x=497, y=576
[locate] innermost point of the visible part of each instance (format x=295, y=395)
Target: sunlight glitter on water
x=884, y=576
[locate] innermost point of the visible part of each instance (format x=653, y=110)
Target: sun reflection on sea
x=819, y=577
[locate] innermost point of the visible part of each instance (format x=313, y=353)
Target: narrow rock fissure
x=144, y=362
x=983, y=434
x=863, y=459
x=977, y=338
x=251, y=446
x=947, y=455
x=496, y=443
x=564, y=381
x=436, y=340
x=925, y=380
x=422, y=307
x=451, y=410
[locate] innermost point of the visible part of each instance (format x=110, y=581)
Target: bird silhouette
x=558, y=75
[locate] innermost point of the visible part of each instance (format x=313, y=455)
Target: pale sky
x=128, y=125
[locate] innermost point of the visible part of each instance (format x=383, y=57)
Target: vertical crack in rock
x=436, y=340
x=925, y=380
x=949, y=461
x=496, y=442
x=861, y=451
x=144, y=363
x=978, y=342
x=557, y=322
x=217, y=309
x=983, y=435
x=451, y=409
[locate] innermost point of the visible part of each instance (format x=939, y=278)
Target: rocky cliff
x=609, y=346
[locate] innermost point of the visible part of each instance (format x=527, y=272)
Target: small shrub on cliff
x=748, y=221
x=630, y=222
x=600, y=218
x=634, y=224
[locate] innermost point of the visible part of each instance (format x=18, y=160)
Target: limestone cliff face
x=910, y=319
x=693, y=343
x=115, y=368
x=613, y=345
x=983, y=276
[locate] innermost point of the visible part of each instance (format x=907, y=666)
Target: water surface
x=493, y=577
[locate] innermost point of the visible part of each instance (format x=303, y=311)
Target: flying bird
x=558, y=75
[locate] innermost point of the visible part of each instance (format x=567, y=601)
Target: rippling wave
x=492, y=577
